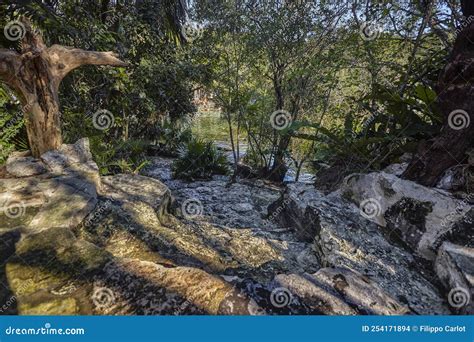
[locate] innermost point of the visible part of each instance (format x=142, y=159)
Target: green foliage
x=155, y=88
x=124, y=157
x=200, y=160
x=172, y=138
x=12, y=133
x=355, y=103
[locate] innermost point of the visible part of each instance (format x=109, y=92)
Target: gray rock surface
x=319, y=296
x=454, y=266
x=18, y=165
x=396, y=169
x=78, y=243
x=412, y=213
x=52, y=199
x=347, y=239
x=67, y=155
x=341, y=291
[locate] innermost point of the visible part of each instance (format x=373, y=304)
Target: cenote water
x=211, y=126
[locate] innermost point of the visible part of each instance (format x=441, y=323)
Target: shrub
x=12, y=130
x=126, y=157
x=200, y=160
x=172, y=138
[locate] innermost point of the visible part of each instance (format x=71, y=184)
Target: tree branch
x=67, y=59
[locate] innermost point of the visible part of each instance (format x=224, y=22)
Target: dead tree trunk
x=456, y=99
x=35, y=74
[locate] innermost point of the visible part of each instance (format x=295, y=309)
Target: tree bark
x=278, y=168
x=35, y=74
x=455, y=91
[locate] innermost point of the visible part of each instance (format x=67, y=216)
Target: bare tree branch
x=66, y=59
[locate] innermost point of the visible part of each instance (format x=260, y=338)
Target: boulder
x=48, y=271
x=454, y=266
x=340, y=291
x=318, y=296
x=18, y=165
x=59, y=244
x=20, y=200
x=411, y=213
x=67, y=155
x=55, y=273
x=396, y=169
x=129, y=189
x=41, y=203
x=361, y=292
x=457, y=178
x=61, y=197
x=209, y=293
x=74, y=160
x=292, y=211
x=344, y=238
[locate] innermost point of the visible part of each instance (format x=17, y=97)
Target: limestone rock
x=62, y=246
x=360, y=292
x=240, y=204
x=62, y=197
x=41, y=203
x=415, y=214
x=20, y=201
x=209, y=293
x=454, y=266
x=457, y=178
x=68, y=201
x=67, y=155
x=318, y=296
x=346, y=239
x=291, y=210
x=24, y=166
x=396, y=169
x=127, y=188
x=48, y=271
x=340, y=291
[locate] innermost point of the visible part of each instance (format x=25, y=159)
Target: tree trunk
x=43, y=128
x=279, y=169
x=456, y=100
x=35, y=74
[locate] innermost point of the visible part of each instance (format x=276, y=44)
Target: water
x=211, y=126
